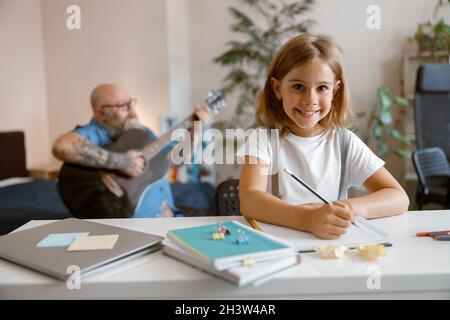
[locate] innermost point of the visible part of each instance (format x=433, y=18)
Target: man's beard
x=114, y=132
x=116, y=127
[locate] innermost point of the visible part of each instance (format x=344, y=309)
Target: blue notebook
x=226, y=253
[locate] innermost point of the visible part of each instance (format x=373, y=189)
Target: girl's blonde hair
x=297, y=51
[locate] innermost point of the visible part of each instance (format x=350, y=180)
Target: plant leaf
x=385, y=99
x=398, y=136
x=407, y=154
x=382, y=147
x=377, y=130
x=401, y=101
x=386, y=116
x=243, y=21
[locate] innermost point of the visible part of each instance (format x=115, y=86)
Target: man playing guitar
x=113, y=114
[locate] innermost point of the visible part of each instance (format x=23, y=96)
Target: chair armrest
x=439, y=178
x=437, y=181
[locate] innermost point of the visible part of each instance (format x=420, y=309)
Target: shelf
x=45, y=172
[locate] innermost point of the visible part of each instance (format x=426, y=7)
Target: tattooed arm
x=74, y=148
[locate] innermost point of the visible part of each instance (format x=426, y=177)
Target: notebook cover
x=199, y=240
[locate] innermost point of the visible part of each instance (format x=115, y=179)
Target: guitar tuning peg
x=216, y=100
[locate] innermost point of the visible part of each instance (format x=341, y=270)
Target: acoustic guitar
x=93, y=193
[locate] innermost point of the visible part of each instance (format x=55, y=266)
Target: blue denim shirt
x=156, y=194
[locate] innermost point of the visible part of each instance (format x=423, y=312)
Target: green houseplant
x=382, y=124
x=261, y=30
x=434, y=35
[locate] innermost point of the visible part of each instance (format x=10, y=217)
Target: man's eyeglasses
x=126, y=105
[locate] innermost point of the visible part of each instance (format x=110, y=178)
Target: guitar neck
x=156, y=146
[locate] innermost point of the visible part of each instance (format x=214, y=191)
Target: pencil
x=253, y=224
x=309, y=188
x=306, y=186
x=432, y=233
x=442, y=238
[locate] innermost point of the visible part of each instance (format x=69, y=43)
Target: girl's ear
x=276, y=87
x=337, y=85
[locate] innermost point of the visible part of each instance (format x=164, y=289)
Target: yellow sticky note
x=93, y=243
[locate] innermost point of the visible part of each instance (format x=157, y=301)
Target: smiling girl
x=306, y=97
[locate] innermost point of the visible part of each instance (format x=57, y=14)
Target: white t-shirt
x=315, y=160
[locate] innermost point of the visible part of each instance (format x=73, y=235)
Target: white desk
x=414, y=268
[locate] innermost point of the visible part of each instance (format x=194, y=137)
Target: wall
x=119, y=42
x=209, y=31
x=22, y=77
x=178, y=55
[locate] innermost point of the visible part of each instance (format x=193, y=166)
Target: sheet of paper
x=59, y=239
x=304, y=240
x=94, y=243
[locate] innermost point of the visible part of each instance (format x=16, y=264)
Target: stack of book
x=242, y=255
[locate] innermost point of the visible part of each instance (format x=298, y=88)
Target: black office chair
x=227, y=198
x=434, y=177
x=432, y=107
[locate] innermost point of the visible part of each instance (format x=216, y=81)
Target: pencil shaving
x=331, y=252
x=371, y=252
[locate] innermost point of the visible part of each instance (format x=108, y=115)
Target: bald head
x=108, y=94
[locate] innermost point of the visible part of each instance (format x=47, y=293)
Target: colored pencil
x=253, y=224
x=442, y=238
x=432, y=233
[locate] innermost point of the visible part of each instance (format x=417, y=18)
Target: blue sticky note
x=59, y=239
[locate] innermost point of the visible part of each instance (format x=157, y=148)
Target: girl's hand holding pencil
x=328, y=221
